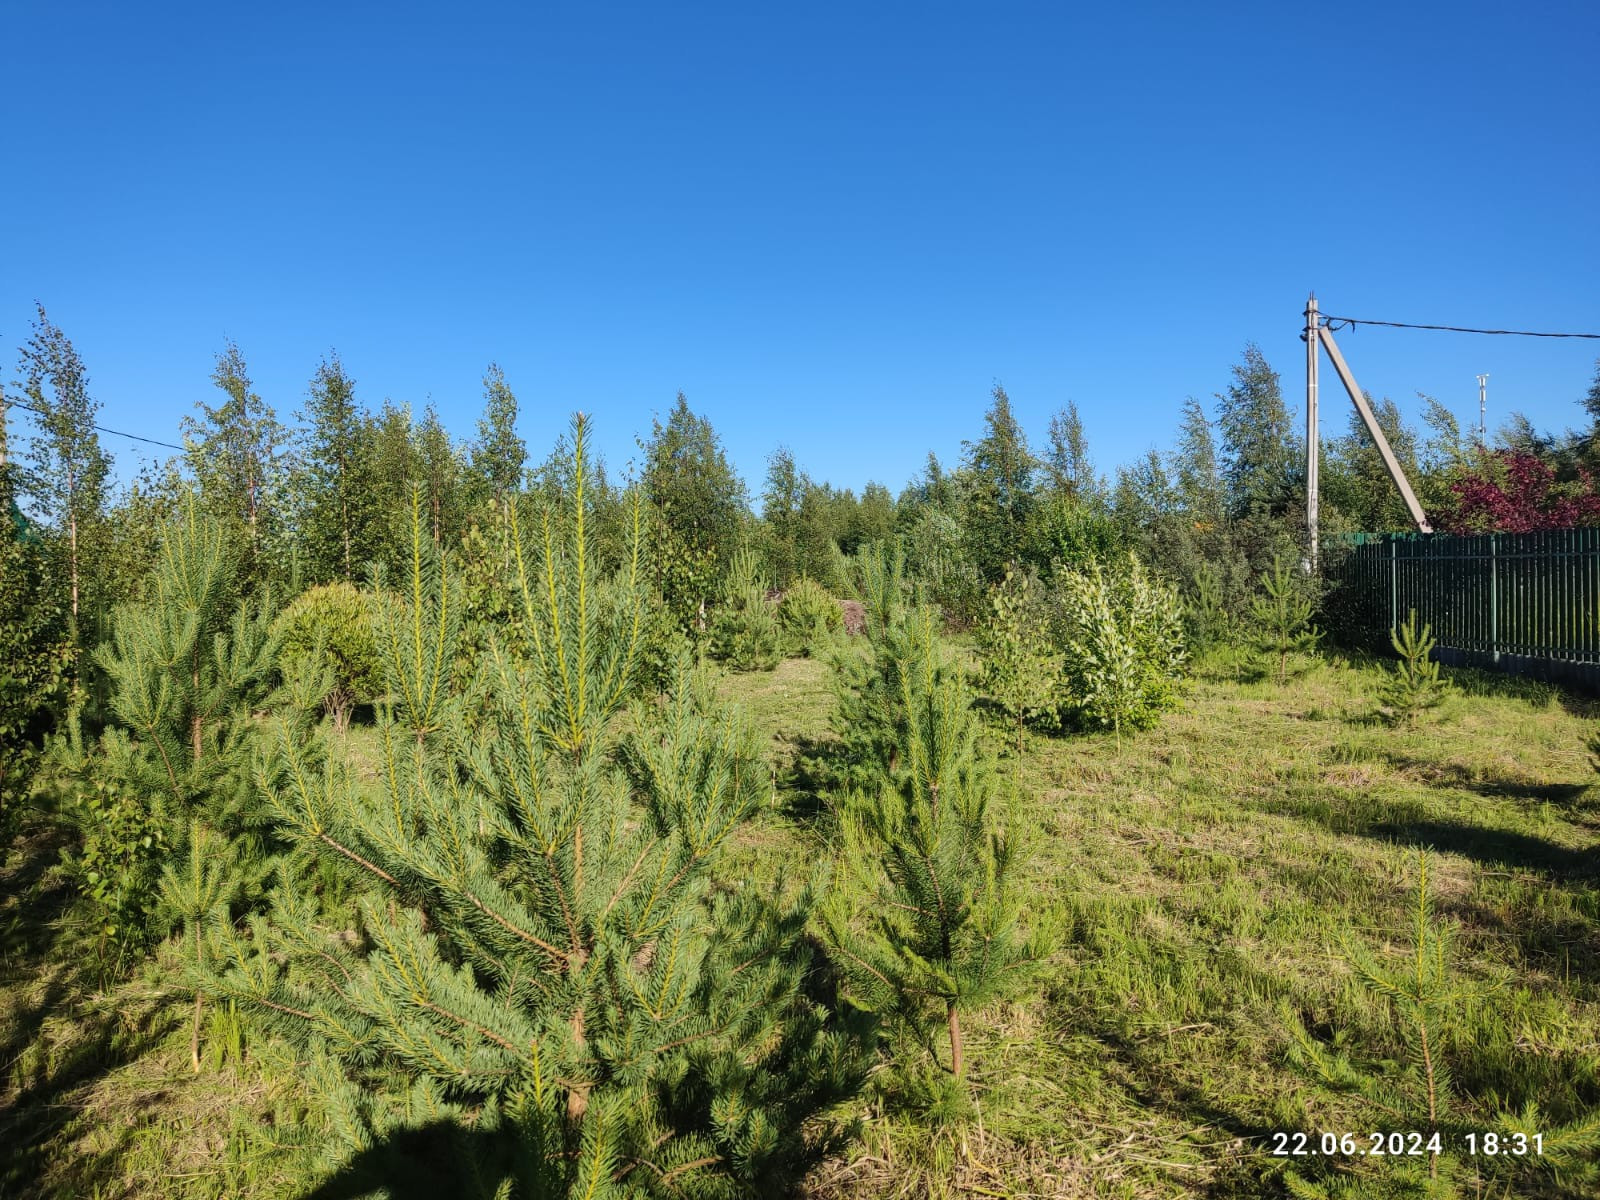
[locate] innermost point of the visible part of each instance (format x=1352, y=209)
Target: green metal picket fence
x=1523, y=602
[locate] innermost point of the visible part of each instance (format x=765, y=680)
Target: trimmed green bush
x=328, y=628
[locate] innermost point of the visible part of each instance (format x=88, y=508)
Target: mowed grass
x=1211, y=874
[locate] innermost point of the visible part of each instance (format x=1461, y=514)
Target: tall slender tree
x=440, y=472
x=698, y=508
x=68, y=469
x=499, y=456
x=1067, y=461
x=1198, y=482
x=231, y=449
x=31, y=633
x=1356, y=479
x=1591, y=398
x=339, y=518
x=780, y=508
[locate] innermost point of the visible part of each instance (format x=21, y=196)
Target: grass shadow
x=438, y=1159
x=1476, y=681
x=812, y=770
x=1574, y=797
x=1492, y=847
x=45, y=979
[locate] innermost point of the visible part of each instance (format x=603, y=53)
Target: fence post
x=1494, y=600
x=1394, y=585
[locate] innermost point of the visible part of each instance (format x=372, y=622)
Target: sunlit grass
x=1211, y=872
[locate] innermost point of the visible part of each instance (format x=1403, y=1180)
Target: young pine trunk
x=199, y=1004
x=953, y=1019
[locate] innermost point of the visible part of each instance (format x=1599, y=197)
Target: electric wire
x=1336, y=323
x=13, y=402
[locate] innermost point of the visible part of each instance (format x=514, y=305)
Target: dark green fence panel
x=1523, y=602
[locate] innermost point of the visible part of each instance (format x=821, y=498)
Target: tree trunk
x=199, y=1002
x=195, y=721
x=578, y=1097
x=954, y=1021
x=72, y=529
x=255, y=538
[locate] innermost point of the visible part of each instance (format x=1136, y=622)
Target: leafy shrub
x=328, y=627
x=1068, y=530
x=1021, y=670
x=950, y=579
x=1120, y=631
x=809, y=617
x=744, y=631
x=121, y=848
x=33, y=661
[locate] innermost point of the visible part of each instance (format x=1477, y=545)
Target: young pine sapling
x=1414, y=685
x=1283, y=615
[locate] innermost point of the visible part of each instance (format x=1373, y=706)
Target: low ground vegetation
x=1225, y=884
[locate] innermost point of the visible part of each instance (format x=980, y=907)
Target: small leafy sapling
x=1414, y=685
x=1282, y=614
x=1021, y=671
x=1121, y=633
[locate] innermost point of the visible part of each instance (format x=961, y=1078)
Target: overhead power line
x=1335, y=323
x=114, y=432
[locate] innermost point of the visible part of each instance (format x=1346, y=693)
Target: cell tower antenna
x=1483, y=409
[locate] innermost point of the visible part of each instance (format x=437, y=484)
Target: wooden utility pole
x=1313, y=448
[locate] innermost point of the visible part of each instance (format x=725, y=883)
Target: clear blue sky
x=832, y=226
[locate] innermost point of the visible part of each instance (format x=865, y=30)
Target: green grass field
x=1214, y=876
